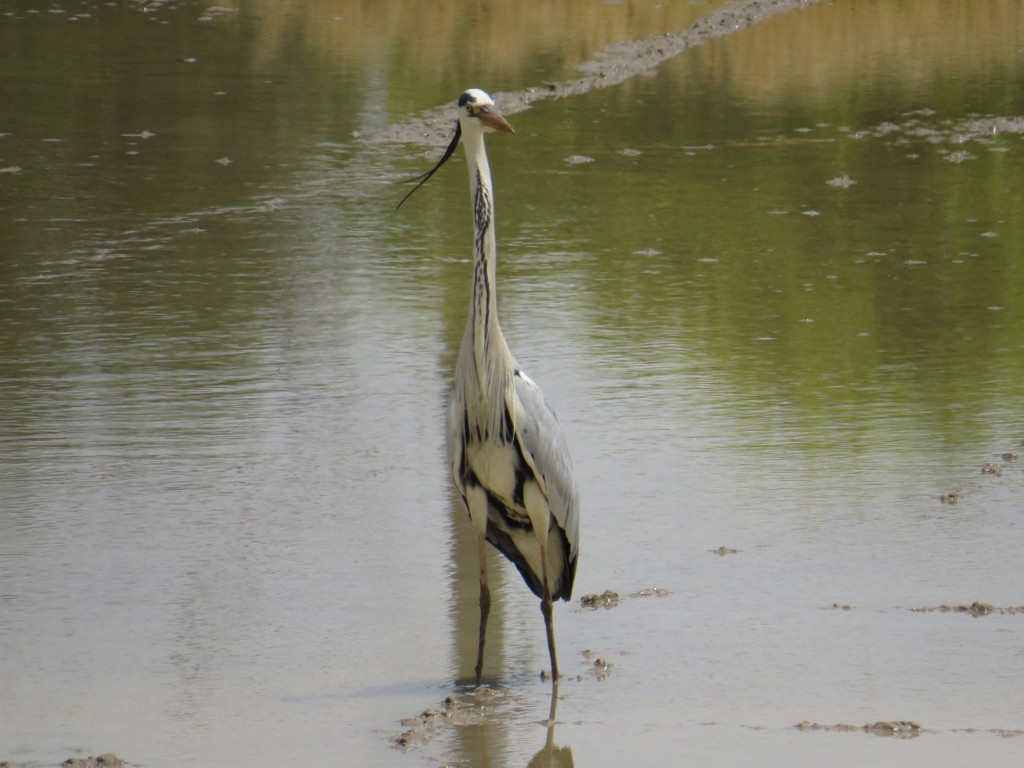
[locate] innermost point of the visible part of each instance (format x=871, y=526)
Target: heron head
x=478, y=106
x=478, y=114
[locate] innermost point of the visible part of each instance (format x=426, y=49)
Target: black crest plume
x=423, y=178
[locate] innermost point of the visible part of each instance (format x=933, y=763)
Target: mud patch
x=600, y=667
x=106, y=760
x=1006, y=733
x=723, y=551
x=475, y=708
x=607, y=600
x=488, y=706
x=992, y=468
x=899, y=729
x=610, y=598
x=977, y=609
x=651, y=592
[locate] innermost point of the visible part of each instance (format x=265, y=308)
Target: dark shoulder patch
x=517, y=491
x=508, y=430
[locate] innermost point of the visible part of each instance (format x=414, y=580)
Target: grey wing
x=543, y=441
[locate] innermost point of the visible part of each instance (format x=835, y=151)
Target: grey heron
x=509, y=459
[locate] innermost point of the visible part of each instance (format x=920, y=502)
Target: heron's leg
x=485, y=606
x=545, y=608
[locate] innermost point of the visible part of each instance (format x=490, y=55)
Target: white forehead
x=478, y=97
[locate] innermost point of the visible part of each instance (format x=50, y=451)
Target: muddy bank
x=900, y=729
x=611, y=66
x=106, y=760
x=610, y=598
x=976, y=609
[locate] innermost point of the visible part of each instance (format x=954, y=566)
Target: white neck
x=484, y=306
x=484, y=353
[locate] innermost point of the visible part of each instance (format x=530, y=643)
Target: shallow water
x=226, y=533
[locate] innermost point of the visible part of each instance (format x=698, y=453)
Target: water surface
x=226, y=532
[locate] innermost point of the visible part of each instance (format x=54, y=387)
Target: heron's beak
x=491, y=118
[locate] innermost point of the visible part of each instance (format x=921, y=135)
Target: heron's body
x=509, y=459
x=513, y=485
